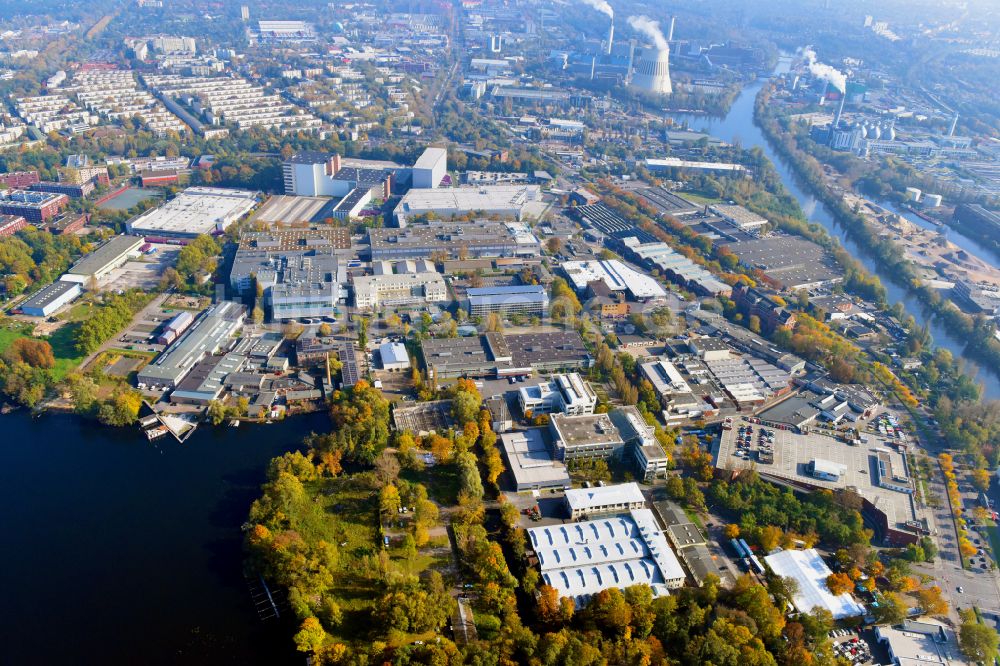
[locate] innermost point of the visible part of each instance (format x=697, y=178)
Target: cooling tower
x=652, y=71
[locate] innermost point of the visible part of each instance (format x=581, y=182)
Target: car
x=961, y=590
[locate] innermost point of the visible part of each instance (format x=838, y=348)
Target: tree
x=981, y=479
x=839, y=583
x=325, y=330
x=932, y=601
x=311, y=636
x=732, y=531
x=891, y=609
x=494, y=324
x=769, y=537
x=363, y=333
x=36, y=353
x=387, y=468
x=121, y=409
x=216, y=412
x=977, y=641
x=469, y=480
x=388, y=500
x=548, y=605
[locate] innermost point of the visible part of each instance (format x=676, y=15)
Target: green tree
x=977, y=641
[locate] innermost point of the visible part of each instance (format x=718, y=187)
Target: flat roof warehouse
x=196, y=211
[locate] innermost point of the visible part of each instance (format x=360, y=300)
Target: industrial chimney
x=611, y=38
x=954, y=126
x=670, y=35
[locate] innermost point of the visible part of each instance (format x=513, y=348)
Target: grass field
x=699, y=199
x=67, y=358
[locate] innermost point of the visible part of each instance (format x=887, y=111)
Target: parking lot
x=858, y=649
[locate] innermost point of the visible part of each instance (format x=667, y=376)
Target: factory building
x=316, y=174
x=210, y=333
x=195, y=211
x=473, y=240
x=530, y=461
x=511, y=201
x=94, y=267
x=580, y=559
x=50, y=298
x=300, y=270
x=616, y=276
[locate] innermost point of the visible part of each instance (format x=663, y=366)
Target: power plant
x=652, y=71
x=611, y=38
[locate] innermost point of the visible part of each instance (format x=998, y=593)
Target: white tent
x=809, y=570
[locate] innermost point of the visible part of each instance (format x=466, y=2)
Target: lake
x=118, y=551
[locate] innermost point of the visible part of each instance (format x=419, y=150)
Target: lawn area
x=699, y=199
x=994, y=533
x=79, y=312
x=67, y=358
x=441, y=481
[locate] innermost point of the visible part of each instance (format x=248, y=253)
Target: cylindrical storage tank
x=932, y=200
x=913, y=194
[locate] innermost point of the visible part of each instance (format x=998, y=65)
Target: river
x=117, y=551
x=738, y=127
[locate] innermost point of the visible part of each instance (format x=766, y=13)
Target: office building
x=585, y=437
x=35, y=207
x=90, y=269
x=430, y=168
x=531, y=300
x=565, y=394
x=195, y=211
x=582, y=503
x=375, y=291
x=50, y=298
x=580, y=559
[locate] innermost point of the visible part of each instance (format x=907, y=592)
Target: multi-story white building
x=375, y=291
x=567, y=394
x=431, y=168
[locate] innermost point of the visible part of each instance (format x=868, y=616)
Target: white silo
x=652, y=71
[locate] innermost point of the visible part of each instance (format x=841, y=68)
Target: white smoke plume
x=601, y=6
x=651, y=29
x=827, y=73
